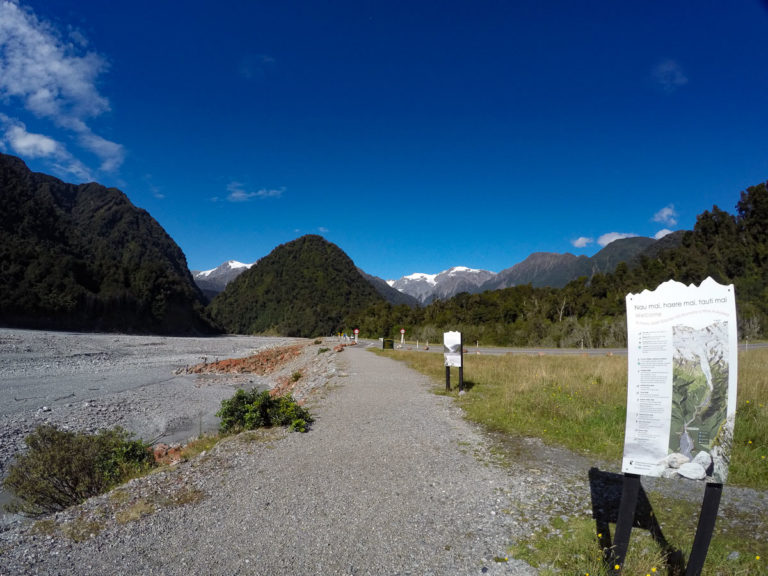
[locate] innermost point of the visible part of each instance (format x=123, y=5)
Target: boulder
x=704, y=460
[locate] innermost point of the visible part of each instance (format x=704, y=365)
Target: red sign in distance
x=357, y=331
x=402, y=330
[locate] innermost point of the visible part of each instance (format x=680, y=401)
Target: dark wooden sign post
x=704, y=530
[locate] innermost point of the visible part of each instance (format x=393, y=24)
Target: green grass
x=572, y=546
x=579, y=402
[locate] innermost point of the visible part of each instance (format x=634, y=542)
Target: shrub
x=254, y=409
x=64, y=468
x=322, y=350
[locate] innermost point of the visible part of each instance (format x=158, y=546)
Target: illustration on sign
x=452, y=348
x=681, y=396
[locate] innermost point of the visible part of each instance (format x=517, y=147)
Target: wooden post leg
x=626, y=518
x=704, y=530
x=447, y=377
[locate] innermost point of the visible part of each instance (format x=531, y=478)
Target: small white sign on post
x=681, y=396
x=402, y=336
x=452, y=348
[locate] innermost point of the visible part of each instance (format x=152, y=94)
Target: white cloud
x=237, y=193
x=661, y=233
x=322, y=229
x=582, y=242
x=14, y=135
x=110, y=153
x=606, y=239
x=666, y=215
x=32, y=145
x=53, y=79
x=669, y=75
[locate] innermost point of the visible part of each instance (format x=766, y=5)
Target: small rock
x=676, y=460
x=692, y=471
x=733, y=556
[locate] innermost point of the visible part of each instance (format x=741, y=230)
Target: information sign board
x=452, y=348
x=681, y=396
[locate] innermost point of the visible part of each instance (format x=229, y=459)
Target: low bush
x=63, y=468
x=254, y=409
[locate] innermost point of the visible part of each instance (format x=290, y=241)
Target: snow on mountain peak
x=429, y=278
x=236, y=264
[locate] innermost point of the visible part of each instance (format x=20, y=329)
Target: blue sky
x=415, y=135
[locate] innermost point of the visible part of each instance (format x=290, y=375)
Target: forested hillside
x=732, y=249
x=303, y=288
x=85, y=258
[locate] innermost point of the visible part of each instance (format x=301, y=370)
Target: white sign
x=452, y=348
x=402, y=330
x=357, y=331
x=681, y=397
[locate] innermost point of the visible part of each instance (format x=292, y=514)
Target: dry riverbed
x=88, y=382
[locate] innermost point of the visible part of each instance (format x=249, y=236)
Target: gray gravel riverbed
x=92, y=381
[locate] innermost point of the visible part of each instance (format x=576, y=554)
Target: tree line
x=590, y=311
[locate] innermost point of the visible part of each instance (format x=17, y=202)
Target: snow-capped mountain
x=213, y=281
x=444, y=285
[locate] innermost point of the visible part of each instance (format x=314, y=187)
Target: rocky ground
x=88, y=382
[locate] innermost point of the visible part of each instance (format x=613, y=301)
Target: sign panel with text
x=452, y=348
x=681, y=396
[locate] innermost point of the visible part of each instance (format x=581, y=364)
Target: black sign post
x=626, y=519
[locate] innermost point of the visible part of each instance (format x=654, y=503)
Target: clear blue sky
x=415, y=135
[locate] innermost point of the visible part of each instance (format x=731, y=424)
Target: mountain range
x=540, y=269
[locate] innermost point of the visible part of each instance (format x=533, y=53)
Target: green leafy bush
x=254, y=409
x=63, y=468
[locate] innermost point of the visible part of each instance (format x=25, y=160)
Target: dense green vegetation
x=303, y=288
x=63, y=468
x=254, y=409
x=85, y=258
x=590, y=312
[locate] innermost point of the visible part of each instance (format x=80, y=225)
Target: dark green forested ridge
x=306, y=287
x=82, y=257
x=732, y=249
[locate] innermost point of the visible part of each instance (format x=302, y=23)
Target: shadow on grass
x=606, y=489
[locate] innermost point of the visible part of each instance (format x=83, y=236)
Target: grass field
x=579, y=402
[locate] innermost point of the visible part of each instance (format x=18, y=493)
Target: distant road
x=499, y=351
x=536, y=351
